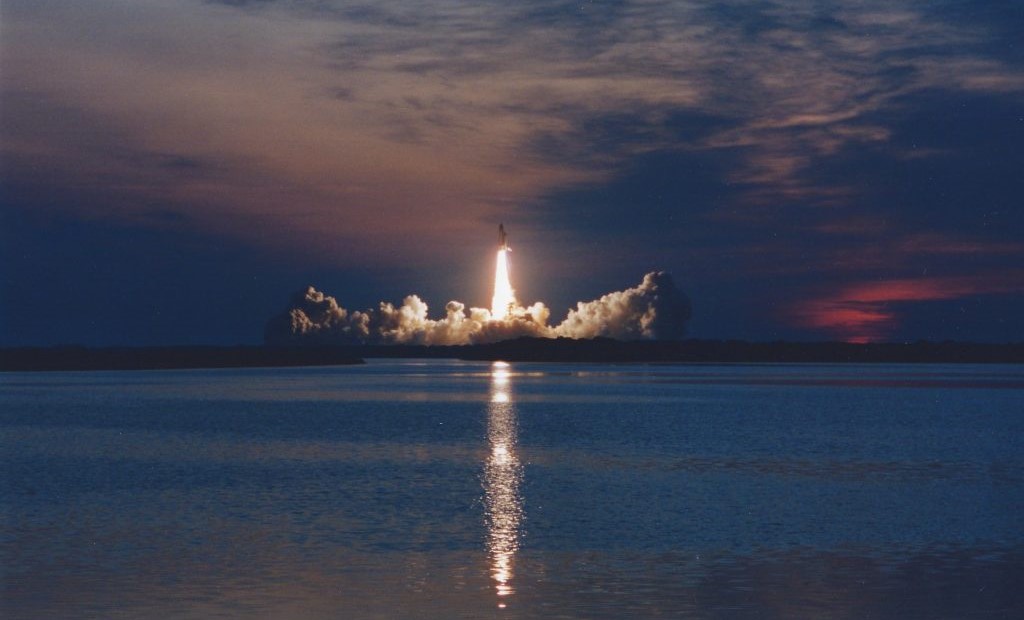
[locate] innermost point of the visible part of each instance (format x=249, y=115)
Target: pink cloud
x=861, y=312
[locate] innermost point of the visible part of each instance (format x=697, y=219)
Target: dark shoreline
x=167, y=358
x=519, y=350
x=738, y=351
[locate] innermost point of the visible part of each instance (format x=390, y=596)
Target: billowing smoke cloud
x=654, y=309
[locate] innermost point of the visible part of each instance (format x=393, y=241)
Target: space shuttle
x=503, y=239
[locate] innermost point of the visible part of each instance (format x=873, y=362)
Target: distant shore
x=707, y=351
x=519, y=350
x=165, y=358
x=737, y=351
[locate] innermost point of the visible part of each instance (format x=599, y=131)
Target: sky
x=172, y=171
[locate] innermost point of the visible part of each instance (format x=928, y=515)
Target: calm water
x=440, y=489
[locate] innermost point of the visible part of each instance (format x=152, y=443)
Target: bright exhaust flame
x=504, y=297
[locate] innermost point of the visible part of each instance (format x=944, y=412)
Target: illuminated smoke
x=504, y=299
x=654, y=309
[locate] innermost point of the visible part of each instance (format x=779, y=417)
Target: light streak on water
x=503, y=475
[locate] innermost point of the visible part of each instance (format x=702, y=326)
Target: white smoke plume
x=654, y=309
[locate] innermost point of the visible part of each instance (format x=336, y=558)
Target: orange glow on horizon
x=862, y=313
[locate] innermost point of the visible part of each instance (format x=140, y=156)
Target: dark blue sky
x=173, y=171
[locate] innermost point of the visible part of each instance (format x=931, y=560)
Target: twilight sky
x=173, y=170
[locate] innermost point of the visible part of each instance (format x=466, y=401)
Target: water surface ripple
x=444, y=489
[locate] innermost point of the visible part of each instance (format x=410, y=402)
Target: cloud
x=383, y=136
x=869, y=311
x=448, y=101
x=654, y=309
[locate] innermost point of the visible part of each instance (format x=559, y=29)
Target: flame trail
x=504, y=297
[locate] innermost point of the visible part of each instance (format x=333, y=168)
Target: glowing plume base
x=504, y=299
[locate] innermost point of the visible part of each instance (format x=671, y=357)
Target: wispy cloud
x=451, y=99
x=335, y=129
x=869, y=311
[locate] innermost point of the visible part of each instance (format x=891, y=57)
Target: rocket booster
x=502, y=238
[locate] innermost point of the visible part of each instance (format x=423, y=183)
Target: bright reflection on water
x=502, y=477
